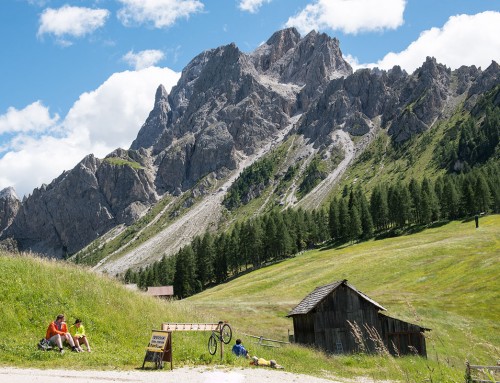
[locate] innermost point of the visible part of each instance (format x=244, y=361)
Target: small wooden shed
x=161, y=291
x=321, y=319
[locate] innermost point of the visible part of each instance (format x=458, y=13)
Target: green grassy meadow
x=445, y=278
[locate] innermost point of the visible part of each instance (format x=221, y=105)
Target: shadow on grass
x=384, y=234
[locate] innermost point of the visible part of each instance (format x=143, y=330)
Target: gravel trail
x=177, y=375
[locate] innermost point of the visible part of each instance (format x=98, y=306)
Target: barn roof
x=320, y=293
x=161, y=291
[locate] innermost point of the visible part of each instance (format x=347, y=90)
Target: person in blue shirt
x=239, y=350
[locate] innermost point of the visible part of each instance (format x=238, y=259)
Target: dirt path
x=178, y=375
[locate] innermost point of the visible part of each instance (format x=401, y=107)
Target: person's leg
x=69, y=339
x=56, y=339
x=86, y=341
x=77, y=343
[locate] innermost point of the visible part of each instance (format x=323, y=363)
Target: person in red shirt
x=57, y=332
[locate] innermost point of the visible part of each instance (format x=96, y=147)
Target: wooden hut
x=161, y=291
x=322, y=319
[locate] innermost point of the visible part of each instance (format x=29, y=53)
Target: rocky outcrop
x=421, y=101
x=486, y=80
x=156, y=122
x=9, y=206
x=350, y=104
x=82, y=204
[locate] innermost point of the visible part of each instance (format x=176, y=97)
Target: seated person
x=263, y=362
x=57, y=332
x=77, y=331
x=239, y=350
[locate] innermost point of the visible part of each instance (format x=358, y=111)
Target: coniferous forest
x=390, y=210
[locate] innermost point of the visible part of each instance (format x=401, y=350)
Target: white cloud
x=71, y=21
x=99, y=122
x=251, y=6
x=349, y=16
x=143, y=59
x=161, y=13
x=33, y=118
x=463, y=40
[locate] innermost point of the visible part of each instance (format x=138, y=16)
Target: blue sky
x=78, y=76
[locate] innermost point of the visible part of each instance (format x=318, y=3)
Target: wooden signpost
x=159, y=349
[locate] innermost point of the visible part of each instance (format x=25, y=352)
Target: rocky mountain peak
x=275, y=47
x=486, y=80
x=8, y=193
x=156, y=123
x=315, y=61
x=161, y=95
x=9, y=206
x=431, y=71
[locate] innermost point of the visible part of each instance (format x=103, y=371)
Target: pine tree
x=269, y=247
x=415, y=191
x=204, y=254
x=300, y=231
x=333, y=219
x=482, y=194
x=492, y=175
x=128, y=277
x=399, y=202
x=321, y=220
x=166, y=271
x=185, y=282
x=343, y=220
x=283, y=239
x=233, y=252
x=221, y=259
x=355, y=228
x=438, y=190
x=379, y=208
x=468, y=202
x=366, y=217
x=450, y=202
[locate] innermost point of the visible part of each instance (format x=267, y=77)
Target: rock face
x=9, y=206
x=81, y=204
x=407, y=104
x=225, y=105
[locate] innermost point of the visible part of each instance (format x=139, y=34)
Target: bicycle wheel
x=212, y=344
x=227, y=333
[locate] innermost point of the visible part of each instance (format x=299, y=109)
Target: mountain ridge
x=227, y=108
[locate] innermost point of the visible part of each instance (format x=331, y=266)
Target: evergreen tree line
x=473, y=141
x=214, y=258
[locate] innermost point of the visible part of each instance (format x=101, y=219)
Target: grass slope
x=444, y=278
x=118, y=321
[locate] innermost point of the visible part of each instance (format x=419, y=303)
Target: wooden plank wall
x=402, y=337
x=331, y=316
x=326, y=326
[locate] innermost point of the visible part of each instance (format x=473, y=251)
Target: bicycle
x=222, y=333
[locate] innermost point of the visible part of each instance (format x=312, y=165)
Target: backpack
x=44, y=345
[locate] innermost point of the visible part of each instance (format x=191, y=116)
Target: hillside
x=118, y=321
x=444, y=278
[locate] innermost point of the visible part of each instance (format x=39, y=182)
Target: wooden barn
x=322, y=319
x=161, y=291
